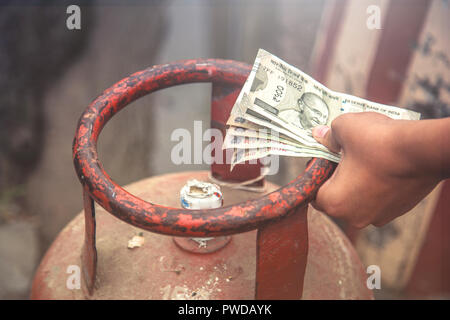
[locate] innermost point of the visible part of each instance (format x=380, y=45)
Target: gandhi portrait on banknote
x=313, y=110
x=306, y=112
x=309, y=112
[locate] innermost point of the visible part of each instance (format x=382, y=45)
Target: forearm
x=427, y=144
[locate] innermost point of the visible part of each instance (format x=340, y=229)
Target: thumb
x=324, y=135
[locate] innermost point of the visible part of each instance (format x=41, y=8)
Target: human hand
x=379, y=177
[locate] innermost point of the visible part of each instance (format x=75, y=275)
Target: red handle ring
x=238, y=218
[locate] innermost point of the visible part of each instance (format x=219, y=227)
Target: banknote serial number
x=297, y=86
x=289, y=82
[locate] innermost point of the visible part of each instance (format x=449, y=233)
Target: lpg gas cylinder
x=271, y=247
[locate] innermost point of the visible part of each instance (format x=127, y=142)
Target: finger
x=324, y=135
x=321, y=201
x=316, y=206
x=330, y=197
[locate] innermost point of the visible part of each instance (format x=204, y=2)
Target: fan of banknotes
x=279, y=105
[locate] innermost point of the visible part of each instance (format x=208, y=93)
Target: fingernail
x=320, y=131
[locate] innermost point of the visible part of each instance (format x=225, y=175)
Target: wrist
x=426, y=145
